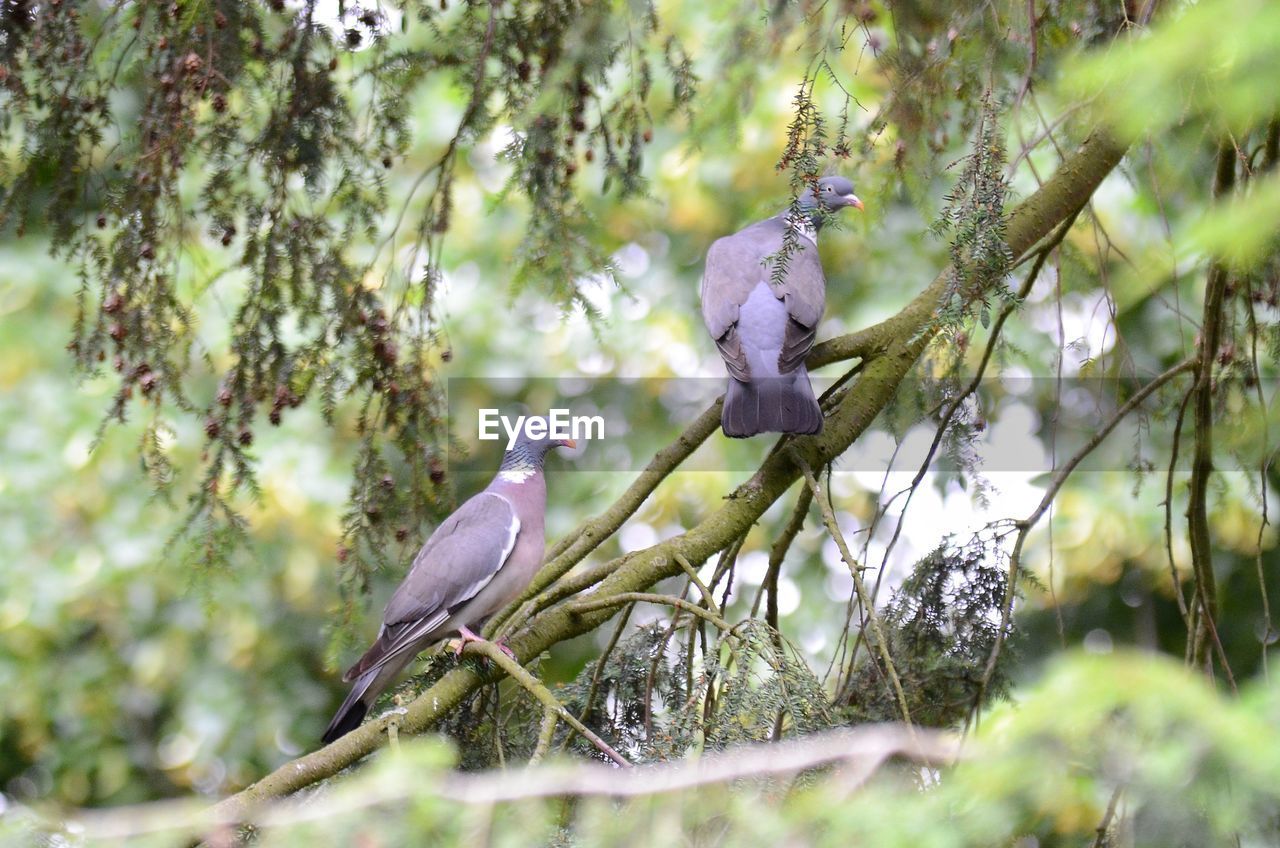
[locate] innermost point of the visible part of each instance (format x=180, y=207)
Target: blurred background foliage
x=1141, y=741
x=131, y=675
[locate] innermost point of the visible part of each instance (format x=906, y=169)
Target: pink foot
x=502, y=646
x=465, y=635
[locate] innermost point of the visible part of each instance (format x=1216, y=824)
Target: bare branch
x=707, y=598
x=859, y=751
x=1202, y=413
x=868, y=606
x=592, y=603
x=1060, y=478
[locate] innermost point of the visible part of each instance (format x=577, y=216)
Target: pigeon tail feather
x=352, y=712
x=771, y=405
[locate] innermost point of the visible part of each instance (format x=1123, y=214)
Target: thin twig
x=707, y=597
x=777, y=553
x=882, y=642
x=546, y=733
x=1026, y=524
x=1168, y=511
x=602, y=661
x=534, y=687
x=588, y=604
x=1105, y=825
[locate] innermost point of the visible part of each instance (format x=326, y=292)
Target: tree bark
x=889, y=351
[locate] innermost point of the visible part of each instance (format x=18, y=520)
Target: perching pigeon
x=764, y=330
x=476, y=562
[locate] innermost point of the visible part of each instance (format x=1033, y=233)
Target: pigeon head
x=528, y=453
x=833, y=194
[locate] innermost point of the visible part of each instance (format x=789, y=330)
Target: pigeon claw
x=502, y=646
x=465, y=635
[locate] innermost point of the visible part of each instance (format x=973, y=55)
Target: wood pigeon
x=762, y=305
x=475, y=563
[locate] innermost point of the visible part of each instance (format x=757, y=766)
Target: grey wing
x=460, y=558
x=804, y=293
x=732, y=271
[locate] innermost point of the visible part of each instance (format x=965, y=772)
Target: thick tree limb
x=891, y=348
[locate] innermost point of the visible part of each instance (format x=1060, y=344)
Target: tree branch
x=777, y=553
x=859, y=750
x=707, y=598
x=534, y=687
x=592, y=603
x=855, y=570
x=1059, y=479
x=546, y=733
x=891, y=348
x=1206, y=594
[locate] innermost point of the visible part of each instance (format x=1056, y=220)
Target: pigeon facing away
x=764, y=330
x=475, y=563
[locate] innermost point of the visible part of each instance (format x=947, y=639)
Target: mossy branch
x=890, y=350
x=534, y=687
x=593, y=603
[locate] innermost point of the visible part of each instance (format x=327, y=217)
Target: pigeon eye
x=826, y=188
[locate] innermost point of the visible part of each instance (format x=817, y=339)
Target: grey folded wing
x=804, y=291
x=457, y=561
x=738, y=263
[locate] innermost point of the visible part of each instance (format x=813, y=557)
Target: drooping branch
x=864, y=597
x=1055, y=485
x=1205, y=607
x=891, y=350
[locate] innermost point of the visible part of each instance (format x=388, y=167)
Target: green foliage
x=1182, y=764
x=414, y=194
x=239, y=154
x=941, y=626
x=657, y=698
x=974, y=218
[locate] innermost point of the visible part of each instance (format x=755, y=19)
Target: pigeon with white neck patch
x=764, y=327
x=477, y=561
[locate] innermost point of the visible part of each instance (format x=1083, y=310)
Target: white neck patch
x=516, y=475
